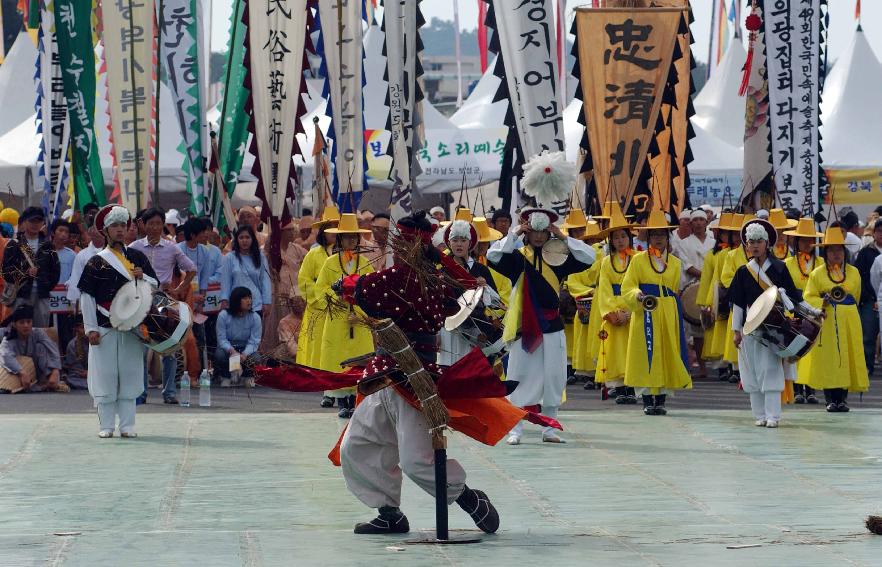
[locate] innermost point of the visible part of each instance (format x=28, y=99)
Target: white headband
x=755, y=232
x=117, y=215
x=698, y=214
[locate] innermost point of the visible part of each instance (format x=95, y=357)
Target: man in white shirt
x=96, y=244
x=683, y=231
x=851, y=225
x=691, y=251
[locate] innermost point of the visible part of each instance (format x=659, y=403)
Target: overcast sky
x=842, y=22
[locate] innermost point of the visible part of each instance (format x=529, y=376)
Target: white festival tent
x=719, y=110
x=851, y=128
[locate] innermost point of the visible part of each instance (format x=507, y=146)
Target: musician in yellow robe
x=708, y=292
x=342, y=337
x=610, y=307
x=735, y=258
x=309, y=343
x=657, y=358
x=574, y=227
x=581, y=285
x=836, y=364
x=801, y=265
x=778, y=219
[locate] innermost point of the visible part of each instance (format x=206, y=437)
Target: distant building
x=439, y=77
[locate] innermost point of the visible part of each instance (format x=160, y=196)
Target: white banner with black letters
x=342, y=36
x=793, y=55
x=527, y=41
x=277, y=39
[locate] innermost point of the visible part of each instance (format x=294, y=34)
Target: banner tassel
x=753, y=23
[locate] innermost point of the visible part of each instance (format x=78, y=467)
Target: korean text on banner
x=625, y=56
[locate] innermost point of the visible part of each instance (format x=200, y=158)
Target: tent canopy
x=851, y=122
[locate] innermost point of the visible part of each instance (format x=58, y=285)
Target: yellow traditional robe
x=837, y=360
x=610, y=362
x=713, y=337
x=735, y=258
x=801, y=279
x=341, y=340
x=585, y=342
x=310, y=341
x=660, y=330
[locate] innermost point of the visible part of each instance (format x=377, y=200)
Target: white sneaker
x=772, y=424
x=128, y=434
x=250, y=383
x=551, y=438
x=105, y=433
x=760, y=423
x=225, y=383
x=514, y=440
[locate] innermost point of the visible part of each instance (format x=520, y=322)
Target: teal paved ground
x=696, y=488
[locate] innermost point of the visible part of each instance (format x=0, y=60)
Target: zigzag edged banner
x=794, y=32
x=180, y=61
x=525, y=41
x=342, y=49
x=277, y=44
x=625, y=56
x=129, y=37
x=402, y=20
x=51, y=115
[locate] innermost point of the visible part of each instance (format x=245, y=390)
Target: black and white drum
x=165, y=325
x=789, y=337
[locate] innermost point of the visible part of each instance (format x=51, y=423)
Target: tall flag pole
x=482, y=34
x=458, y=51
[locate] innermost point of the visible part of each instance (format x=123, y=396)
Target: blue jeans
x=870, y=329
x=169, y=368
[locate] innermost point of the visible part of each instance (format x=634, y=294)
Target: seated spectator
x=29, y=355
x=76, y=357
x=238, y=332
x=290, y=325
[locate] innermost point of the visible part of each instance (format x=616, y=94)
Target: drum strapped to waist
x=789, y=338
x=583, y=307
x=158, y=321
x=568, y=306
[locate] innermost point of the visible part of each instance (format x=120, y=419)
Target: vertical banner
x=51, y=114
x=342, y=50
x=276, y=53
x=233, y=134
x=529, y=58
x=793, y=41
x=624, y=56
x=401, y=23
x=76, y=51
x=129, y=34
x=179, y=53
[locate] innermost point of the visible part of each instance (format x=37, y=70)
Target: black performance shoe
x=832, y=407
x=799, y=399
x=327, y=402
x=660, y=405
x=843, y=407
x=811, y=399
x=390, y=521
x=478, y=506
x=648, y=405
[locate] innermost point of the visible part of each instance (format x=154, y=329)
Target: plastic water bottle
x=184, y=393
x=204, y=389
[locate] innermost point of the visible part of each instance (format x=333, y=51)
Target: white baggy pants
x=762, y=376
x=116, y=378
x=386, y=436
